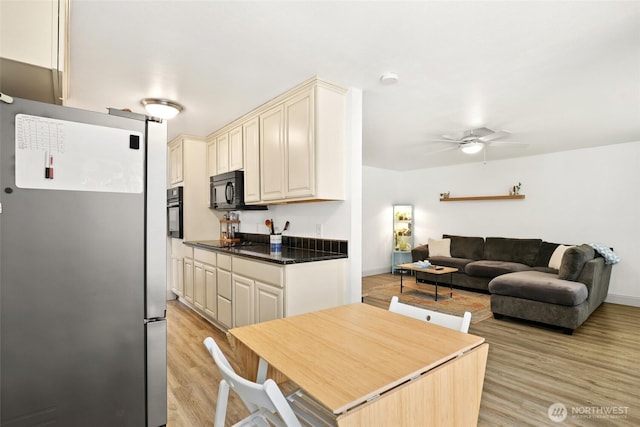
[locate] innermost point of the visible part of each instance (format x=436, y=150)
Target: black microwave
x=226, y=192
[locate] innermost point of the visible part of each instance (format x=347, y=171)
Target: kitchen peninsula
x=246, y=283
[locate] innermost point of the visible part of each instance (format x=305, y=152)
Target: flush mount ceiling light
x=162, y=108
x=389, y=78
x=472, y=147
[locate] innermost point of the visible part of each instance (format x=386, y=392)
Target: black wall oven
x=174, y=213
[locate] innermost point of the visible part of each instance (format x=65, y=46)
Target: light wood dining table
x=370, y=366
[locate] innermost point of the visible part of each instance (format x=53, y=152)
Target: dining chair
x=265, y=400
x=450, y=321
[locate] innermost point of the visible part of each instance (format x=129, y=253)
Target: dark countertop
x=261, y=252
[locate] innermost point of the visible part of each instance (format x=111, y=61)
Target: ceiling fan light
x=162, y=108
x=472, y=147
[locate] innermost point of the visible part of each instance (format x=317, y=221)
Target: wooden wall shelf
x=464, y=199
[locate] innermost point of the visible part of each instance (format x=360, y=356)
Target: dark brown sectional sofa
x=517, y=274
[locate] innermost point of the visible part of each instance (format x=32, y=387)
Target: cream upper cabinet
x=272, y=154
x=176, y=165
x=303, y=146
x=235, y=149
x=212, y=158
x=299, y=154
x=251, y=140
x=225, y=151
x=222, y=145
x=301, y=151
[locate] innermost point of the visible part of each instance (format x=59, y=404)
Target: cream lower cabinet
x=198, y=285
x=210, y=291
x=177, y=275
x=178, y=253
x=233, y=291
x=204, y=282
x=188, y=279
x=268, y=302
x=242, y=300
x=258, y=291
x=224, y=292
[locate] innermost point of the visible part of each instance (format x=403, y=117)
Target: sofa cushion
x=458, y=263
x=466, y=247
x=486, y=268
x=545, y=269
x=573, y=260
x=544, y=254
x=556, y=256
x=439, y=247
x=539, y=286
x=523, y=251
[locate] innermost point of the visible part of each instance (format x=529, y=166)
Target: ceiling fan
x=474, y=140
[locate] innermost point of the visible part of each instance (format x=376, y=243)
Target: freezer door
x=156, y=332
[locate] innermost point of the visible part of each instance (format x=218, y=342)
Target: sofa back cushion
x=466, y=247
x=523, y=251
x=574, y=260
x=544, y=254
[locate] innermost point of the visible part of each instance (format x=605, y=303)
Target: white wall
x=580, y=196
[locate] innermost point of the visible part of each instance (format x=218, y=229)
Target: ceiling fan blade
x=480, y=132
x=444, y=149
x=494, y=135
x=446, y=140
x=521, y=144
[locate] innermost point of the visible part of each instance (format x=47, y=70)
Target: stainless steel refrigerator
x=82, y=267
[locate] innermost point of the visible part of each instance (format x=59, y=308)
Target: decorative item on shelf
x=445, y=195
x=515, y=190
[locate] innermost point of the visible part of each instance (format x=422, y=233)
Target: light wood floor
x=529, y=368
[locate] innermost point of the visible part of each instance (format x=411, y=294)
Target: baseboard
x=376, y=271
x=623, y=299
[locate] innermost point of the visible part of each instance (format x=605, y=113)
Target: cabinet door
x=212, y=159
x=242, y=301
x=268, y=302
x=222, y=145
x=210, y=291
x=272, y=154
x=224, y=312
x=299, y=146
x=235, y=149
x=198, y=285
x=188, y=279
x=224, y=283
x=177, y=275
x=175, y=162
x=251, y=141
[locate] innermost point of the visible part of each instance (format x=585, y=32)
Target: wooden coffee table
x=434, y=270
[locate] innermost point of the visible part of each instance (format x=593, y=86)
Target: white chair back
x=448, y=320
x=262, y=400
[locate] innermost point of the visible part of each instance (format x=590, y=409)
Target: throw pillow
x=574, y=260
x=556, y=256
x=440, y=247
